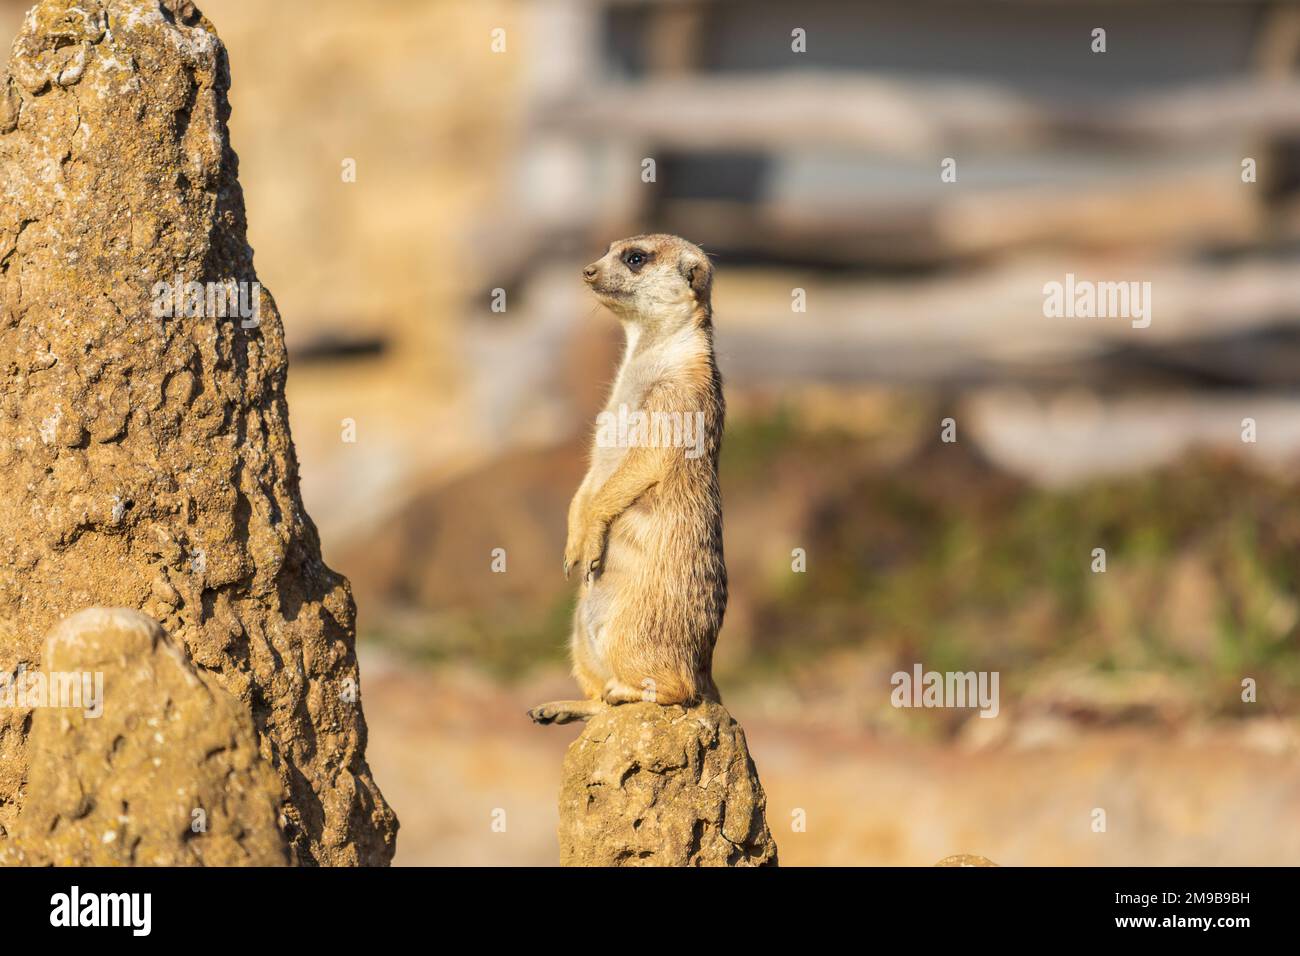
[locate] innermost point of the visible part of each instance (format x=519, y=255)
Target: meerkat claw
x=541, y=715
x=593, y=570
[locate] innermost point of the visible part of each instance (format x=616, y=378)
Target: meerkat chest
x=662, y=368
x=642, y=410
x=636, y=379
x=619, y=426
x=625, y=421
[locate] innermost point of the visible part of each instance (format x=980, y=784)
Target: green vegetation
x=948, y=561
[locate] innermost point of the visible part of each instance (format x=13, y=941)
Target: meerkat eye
x=634, y=260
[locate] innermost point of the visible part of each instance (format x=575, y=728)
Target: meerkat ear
x=698, y=273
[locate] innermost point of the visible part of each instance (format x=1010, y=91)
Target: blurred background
x=501, y=145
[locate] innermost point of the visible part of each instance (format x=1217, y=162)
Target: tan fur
x=645, y=527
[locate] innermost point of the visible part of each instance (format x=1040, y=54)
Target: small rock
x=156, y=765
x=649, y=785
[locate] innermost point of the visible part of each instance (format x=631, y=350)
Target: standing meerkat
x=645, y=527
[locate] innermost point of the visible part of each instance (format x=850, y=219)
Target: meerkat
x=645, y=526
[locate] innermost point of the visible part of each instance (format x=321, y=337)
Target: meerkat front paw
x=572, y=559
x=592, y=561
x=573, y=551
x=587, y=554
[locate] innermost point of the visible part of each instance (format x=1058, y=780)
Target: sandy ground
x=455, y=755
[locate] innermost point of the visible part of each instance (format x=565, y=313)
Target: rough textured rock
x=163, y=770
x=647, y=785
x=148, y=460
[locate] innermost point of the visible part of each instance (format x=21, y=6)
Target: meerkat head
x=657, y=281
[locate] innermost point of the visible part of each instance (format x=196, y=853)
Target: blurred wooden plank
x=1141, y=213
x=1058, y=437
x=990, y=325
x=911, y=118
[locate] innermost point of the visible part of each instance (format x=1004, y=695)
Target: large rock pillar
x=144, y=436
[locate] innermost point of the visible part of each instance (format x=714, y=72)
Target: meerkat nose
x=589, y=273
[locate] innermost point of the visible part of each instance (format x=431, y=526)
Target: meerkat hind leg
x=616, y=692
x=662, y=688
x=566, y=711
